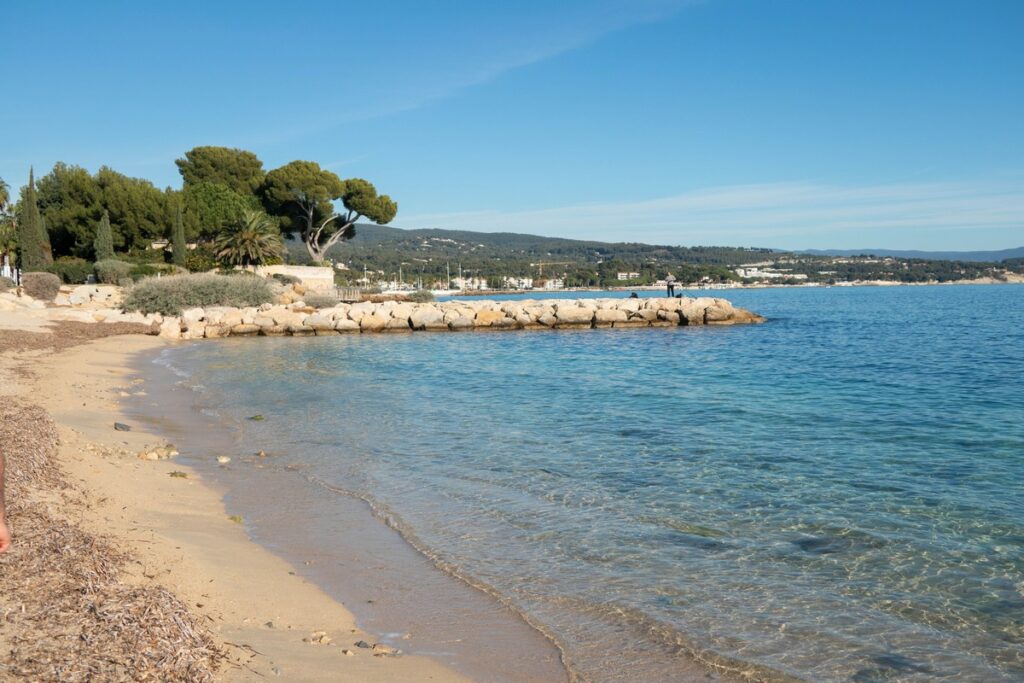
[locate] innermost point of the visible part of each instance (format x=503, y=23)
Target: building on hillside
x=627, y=276
x=469, y=283
x=518, y=282
x=755, y=273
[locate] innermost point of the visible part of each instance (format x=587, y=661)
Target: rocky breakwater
x=297, y=319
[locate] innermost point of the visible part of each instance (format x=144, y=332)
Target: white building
x=469, y=283
x=518, y=282
x=755, y=273
x=627, y=276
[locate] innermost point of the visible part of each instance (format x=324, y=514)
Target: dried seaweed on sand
x=68, y=611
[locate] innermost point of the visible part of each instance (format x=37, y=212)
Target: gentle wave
x=831, y=496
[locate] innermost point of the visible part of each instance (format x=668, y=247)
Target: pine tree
x=103, y=245
x=30, y=228
x=179, y=250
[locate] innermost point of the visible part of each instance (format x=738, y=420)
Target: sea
x=834, y=495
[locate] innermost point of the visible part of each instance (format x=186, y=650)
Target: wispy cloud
x=515, y=50
x=777, y=214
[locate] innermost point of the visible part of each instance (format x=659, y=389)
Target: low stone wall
x=313, y=277
x=394, y=316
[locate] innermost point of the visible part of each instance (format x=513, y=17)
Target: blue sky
x=792, y=124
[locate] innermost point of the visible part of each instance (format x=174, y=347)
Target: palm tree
x=8, y=231
x=252, y=241
x=8, y=239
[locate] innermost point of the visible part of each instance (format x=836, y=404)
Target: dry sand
x=178, y=533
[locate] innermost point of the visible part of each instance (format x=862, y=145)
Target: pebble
x=348, y=653
x=363, y=644
x=122, y=427
x=223, y=459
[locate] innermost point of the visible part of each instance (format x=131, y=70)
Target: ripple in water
x=834, y=495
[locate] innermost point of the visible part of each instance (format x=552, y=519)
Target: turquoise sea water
x=835, y=495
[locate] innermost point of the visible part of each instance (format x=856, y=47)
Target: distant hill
x=455, y=244
x=382, y=253
x=973, y=256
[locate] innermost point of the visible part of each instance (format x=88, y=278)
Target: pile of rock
x=90, y=296
x=394, y=316
x=159, y=453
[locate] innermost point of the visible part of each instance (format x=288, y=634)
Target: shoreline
x=177, y=531
x=698, y=288
x=489, y=636
x=693, y=663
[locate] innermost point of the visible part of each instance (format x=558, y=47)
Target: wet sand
x=182, y=538
x=335, y=541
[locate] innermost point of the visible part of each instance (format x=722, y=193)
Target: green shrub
x=286, y=279
x=201, y=259
x=324, y=299
x=42, y=286
x=171, y=294
x=142, y=270
x=146, y=256
x=112, y=271
x=420, y=296
x=71, y=270
x=7, y=283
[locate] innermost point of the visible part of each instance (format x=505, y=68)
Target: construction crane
x=540, y=266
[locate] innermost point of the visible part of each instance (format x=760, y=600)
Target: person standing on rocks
x=670, y=284
x=5, y=531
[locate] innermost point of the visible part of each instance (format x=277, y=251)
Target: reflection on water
x=834, y=495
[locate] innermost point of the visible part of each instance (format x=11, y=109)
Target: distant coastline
x=1017, y=280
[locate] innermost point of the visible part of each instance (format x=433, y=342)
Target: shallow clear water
x=835, y=495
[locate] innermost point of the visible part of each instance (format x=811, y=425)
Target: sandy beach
x=245, y=610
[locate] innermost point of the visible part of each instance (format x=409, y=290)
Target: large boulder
x=488, y=318
x=170, y=328
x=397, y=325
x=320, y=322
x=607, y=316
x=372, y=323
x=403, y=310
x=427, y=318
x=462, y=322
x=574, y=316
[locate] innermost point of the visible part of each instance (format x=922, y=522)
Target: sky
x=790, y=124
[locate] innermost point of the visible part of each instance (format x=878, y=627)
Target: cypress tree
x=179, y=250
x=44, y=240
x=103, y=245
x=30, y=229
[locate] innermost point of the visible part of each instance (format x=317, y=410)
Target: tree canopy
x=179, y=248
x=221, y=185
x=210, y=206
x=33, y=247
x=236, y=169
x=303, y=195
x=71, y=201
x=254, y=239
x=103, y=245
